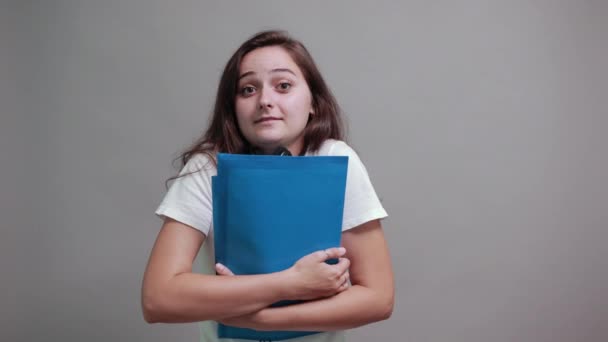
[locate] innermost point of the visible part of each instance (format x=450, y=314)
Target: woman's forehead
x=266, y=60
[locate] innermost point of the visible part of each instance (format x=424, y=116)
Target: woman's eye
x=247, y=90
x=284, y=86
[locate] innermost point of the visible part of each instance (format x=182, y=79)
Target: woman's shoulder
x=200, y=162
x=333, y=147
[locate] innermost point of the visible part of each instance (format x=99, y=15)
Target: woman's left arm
x=369, y=299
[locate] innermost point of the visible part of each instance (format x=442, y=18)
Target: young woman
x=271, y=94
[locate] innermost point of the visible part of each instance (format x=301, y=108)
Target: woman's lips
x=266, y=119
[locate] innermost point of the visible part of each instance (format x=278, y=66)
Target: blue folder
x=269, y=211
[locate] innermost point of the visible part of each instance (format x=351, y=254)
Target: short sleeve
x=189, y=198
x=361, y=204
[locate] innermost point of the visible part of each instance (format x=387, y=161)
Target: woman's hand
x=310, y=277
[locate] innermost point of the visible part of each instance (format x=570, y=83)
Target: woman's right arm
x=171, y=293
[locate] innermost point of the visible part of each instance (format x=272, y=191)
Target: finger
x=346, y=277
x=332, y=253
x=344, y=286
x=342, y=265
x=223, y=270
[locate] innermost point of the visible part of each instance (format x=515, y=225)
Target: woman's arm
x=370, y=299
x=171, y=293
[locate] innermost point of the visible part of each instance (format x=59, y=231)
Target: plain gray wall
x=482, y=124
x=17, y=143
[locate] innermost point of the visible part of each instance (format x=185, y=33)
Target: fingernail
x=342, y=250
x=218, y=265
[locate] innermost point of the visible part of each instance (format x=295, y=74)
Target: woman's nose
x=265, y=99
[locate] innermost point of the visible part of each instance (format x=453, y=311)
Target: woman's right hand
x=312, y=278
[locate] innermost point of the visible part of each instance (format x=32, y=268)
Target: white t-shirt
x=189, y=201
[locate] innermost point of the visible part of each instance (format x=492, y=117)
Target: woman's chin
x=270, y=140
x=269, y=147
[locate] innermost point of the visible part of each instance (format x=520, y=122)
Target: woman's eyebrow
x=272, y=71
x=283, y=70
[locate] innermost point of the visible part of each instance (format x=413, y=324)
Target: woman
x=271, y=94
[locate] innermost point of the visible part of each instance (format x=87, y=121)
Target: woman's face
x=273, y=100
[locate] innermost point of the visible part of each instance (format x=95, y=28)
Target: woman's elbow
x=149, y=309
x=149, y=316
x=386, y=311
x=151, y=306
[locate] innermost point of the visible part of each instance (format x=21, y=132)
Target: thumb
x=223, y=270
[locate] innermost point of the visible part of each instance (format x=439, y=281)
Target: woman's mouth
x=266, y=119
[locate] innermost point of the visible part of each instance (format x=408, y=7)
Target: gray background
x=482, y=124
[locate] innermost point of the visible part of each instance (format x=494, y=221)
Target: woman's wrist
x=285, y=283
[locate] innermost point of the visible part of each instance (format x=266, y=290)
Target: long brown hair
x=223, y=134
